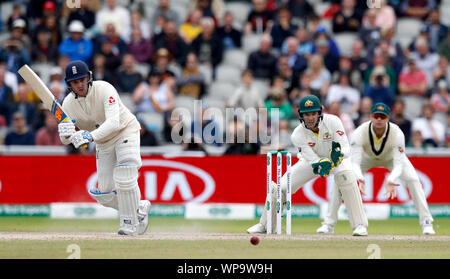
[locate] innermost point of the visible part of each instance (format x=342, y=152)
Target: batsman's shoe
x=142, y=213
x=127, y=230
x=325, y=229
x=360, y=231
x=428, y=229
x=258, y=228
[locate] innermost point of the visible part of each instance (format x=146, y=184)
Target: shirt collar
x=384, y=134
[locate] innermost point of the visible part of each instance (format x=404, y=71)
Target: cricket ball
x=254, y=240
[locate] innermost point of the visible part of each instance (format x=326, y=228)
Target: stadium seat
x=240, y=11
x=250, y=42
x=413, y=106
x=142, y=68
x=227, y=73
x=221, y=90
x=43, y=70
x=153, y=120
x=236, y=57
x=186, y=102
x=444, y=10
x=327, y=24
x=408, y=27
x=127, y=100
x=263, y=87
x=345, y=41
x=320, y=7
x=441, y=117
x=207, y=73
x=6, y=8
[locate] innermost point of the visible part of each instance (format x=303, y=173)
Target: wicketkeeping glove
x=81, y=137
x=323, y=168
x=335, y=154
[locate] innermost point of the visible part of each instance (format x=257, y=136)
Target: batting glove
x=80, y=138
x=66, y=129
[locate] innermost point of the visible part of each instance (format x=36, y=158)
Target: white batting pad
x=128, y=194
x=346, y=182
x=108, y=199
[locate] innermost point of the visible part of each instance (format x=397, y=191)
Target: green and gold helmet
x=309, y=103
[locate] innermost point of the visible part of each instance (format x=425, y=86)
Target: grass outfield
x=35, y=237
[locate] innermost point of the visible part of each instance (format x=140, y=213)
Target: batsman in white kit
x=96, y=109
x=380, y=143
x=325, y=150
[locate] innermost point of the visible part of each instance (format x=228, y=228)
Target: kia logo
x=176, y=180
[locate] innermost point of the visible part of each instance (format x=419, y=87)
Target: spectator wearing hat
x=141, y=48
x=380, y=60
x=348, y=19
x=44, y=51
x=431, y=130
x=111, y=13
x=128, y=77
x=379, y=89
x=440, y=99
x=18, y=33
x=38, y=10
x=343, y=92
x=85, y=15
x=76, y=46
x=20, y=134
x=412, y=81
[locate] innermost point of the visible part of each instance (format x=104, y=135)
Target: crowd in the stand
x=153, y=57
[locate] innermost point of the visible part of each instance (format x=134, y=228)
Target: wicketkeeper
x=99, y=113
x=325, y=150
x=380, y=143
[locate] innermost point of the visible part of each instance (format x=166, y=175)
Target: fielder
x=99, y=113
x=323, y=144
x=380, y=143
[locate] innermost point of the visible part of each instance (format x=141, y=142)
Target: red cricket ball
x=254, y=240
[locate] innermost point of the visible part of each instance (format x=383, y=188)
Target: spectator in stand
x=164, y=11
x=76, y=46
x=214, y=9
x=139, y=47
x=162, y=66
x=379, y=89
x=128, y=78
x=386, y=17
x=192, y=27
x=207, y=45
x=58, y=90
x=136, y=21
x=330, y=60
x=261, y=62
x=259, y=20
x=148, y=137
x=301, y=9
x=393, y=61
x=358, y=58
x=6, y=97
x=425, y=34
x=246, y=94
x=241, y=144
x=335, y=109
x=296, y=61
x=15, y=55
x=444, y=47
x=319, y=75
x=118, y=44
x=442, y=71
x=412, y=81
x=153, y=95
x=370, y=31
x=348, y=19
x=111, y=13
x=18, y=34
x=283, y=28
x=17, y=13
x=85, y=15
x=364, y=111
x=172, y=41
x=379, y=60
x=44, y=51
x=418, y=8
x=437, y=30
x=48, y=135
x=398, y=117
x=230, y=36
x=285, y=72
x=440, y=99
x=344, y=93
x=10, y=78
x=345, y=65
x=21, y=134
x=113, y=60
x=24, y=105
x=278, y=100
x=191, y=82
x=101, y=71
x=321, y=34
x=425, y=60
x=305, y=47
x=50, y=23
x=432, y=131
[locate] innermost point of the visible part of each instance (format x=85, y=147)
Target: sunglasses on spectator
x=379, y=116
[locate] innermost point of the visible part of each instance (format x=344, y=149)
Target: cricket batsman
x=325, y=150
x=98, y=112
x=380, y=143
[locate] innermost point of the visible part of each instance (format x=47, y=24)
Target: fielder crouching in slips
x=98, y=112
x=324, y=147
x=380, y=143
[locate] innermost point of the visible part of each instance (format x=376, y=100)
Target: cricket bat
x=44, y=94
